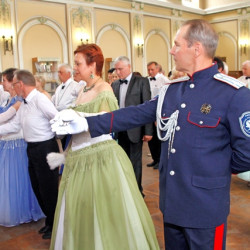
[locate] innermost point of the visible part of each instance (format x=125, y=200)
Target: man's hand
x=68, y=121
x=147, y=137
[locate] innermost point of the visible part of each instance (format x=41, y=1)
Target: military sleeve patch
x=245, y=123
x=229, y=80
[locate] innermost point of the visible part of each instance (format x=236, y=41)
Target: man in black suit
x=132, y=90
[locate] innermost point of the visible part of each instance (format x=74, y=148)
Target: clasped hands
x=69, y=121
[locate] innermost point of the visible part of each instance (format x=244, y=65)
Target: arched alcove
x=114, y=42
x=123, y=37
x=157, y=47
x=32, y=39
x=227, y=47
x=113, y=47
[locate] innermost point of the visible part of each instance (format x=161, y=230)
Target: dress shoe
x=44, y=229
x=156, y=166
x=47, y=235
x=151, y=164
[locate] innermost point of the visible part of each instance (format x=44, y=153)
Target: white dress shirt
x=245, y=81
x=123, y=91
x=33, y=118
x=155, y=85
x=66, y=93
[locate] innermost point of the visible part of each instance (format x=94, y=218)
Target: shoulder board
x=181, y=79
x=229, y=80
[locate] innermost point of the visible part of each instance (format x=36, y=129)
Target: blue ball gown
x=18, y=203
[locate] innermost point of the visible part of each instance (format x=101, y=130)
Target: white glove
x=68, y=121
x=55, y=160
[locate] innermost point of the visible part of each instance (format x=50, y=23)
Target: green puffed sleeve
x=108, y=102
x=105, y=101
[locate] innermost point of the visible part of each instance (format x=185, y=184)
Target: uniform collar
x=205, y=73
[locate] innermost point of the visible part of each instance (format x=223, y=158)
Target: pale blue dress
x=18, y=203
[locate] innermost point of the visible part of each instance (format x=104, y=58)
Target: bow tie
x=123, y=81
x=152, y=79
x=247, y=77
x=25, y=102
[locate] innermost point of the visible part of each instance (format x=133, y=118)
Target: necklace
x=86, y=89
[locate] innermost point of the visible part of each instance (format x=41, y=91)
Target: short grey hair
x=201, y=31
x=67, y=67
x=247, y=62
x=122, y=59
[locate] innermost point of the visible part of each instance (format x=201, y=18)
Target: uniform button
x=173, y=150
x=172, y=172
x=177, y=128
x=201, y=122
x=191, y=86
x=183, y=105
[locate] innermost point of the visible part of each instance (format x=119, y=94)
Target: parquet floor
x=25, y=237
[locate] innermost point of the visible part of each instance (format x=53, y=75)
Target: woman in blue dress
x=18, y=203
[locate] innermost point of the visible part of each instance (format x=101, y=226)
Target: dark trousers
x=134, y=152
x=155, y=146
x=43, y=180
x=181, y=238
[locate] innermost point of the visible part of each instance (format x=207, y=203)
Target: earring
x=92, y=76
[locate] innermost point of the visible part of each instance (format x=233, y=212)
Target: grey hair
x=67, y=67
x=26, y=77
x=201, y=31
x=122, y=59
x=247, y=62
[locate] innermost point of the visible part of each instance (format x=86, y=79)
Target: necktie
x=152, y=79
x=123, y=81
x=63, y=86
x=247, y=77
x=25, y=102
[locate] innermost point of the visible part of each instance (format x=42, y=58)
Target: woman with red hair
x=99, y=205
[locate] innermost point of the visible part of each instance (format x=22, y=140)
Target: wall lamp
x=84, y=38
x=140, y=49
x=243, y=49
x=84, y=41
x=7, y=44
x=243, y=46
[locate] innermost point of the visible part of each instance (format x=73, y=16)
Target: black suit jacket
x=138, y=92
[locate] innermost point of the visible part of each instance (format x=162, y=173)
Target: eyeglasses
x=14, y=83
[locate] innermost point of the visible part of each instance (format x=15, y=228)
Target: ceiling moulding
x=169, y=5
x=160, y=3
x=234, y=6
x=222, y=8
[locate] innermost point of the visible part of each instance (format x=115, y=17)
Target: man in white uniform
x=68, y=90
x=246, y=73
x=156, y=80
